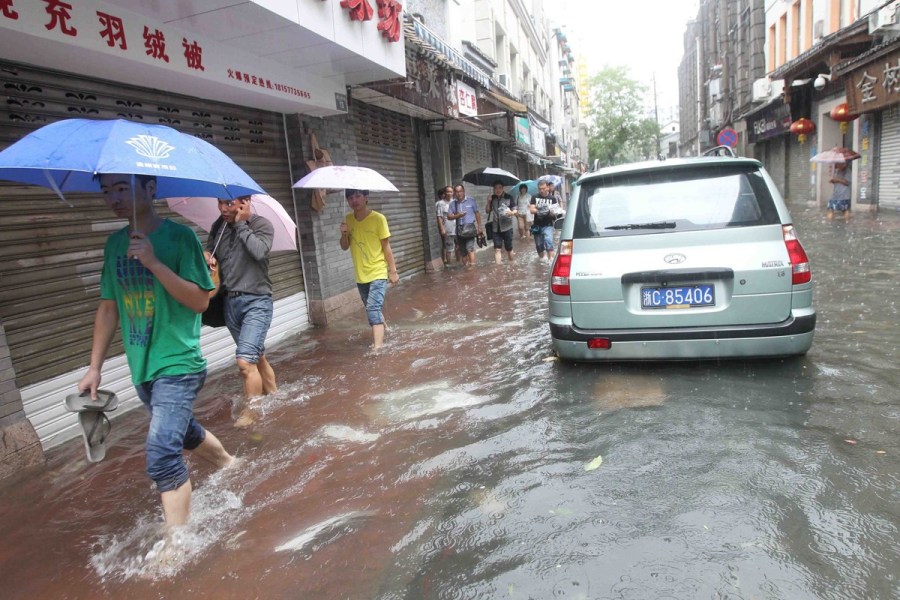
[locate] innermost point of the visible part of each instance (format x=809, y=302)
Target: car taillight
x=599, y=343
x=559, y=278
x=800, y=272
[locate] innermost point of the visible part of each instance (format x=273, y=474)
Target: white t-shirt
x=443, y=208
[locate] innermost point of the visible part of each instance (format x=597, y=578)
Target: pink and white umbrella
x=836, y=155
x=204, y=212
x=346, y=177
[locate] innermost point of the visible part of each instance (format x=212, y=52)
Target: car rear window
x=678, y=199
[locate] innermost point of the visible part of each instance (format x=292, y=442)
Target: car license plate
x=684, y=296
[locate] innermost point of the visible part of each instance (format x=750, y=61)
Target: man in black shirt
x=545, y=208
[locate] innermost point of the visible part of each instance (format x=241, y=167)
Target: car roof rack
x=721, y=151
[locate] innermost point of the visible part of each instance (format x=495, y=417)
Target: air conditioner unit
x=885, y=19
x=503, y=79
x=818, y=30
x=762, y=90
x=714, y=89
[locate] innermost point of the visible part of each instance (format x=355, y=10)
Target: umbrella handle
x=53, y=186
x=221, y=233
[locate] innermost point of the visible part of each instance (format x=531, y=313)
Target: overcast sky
x=644, y=35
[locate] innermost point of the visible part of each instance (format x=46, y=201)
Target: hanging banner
x=523, y=130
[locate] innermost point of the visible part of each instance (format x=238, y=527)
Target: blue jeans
x=543, y=240
x=170, y=401
x=372, y=295
x=248, y=317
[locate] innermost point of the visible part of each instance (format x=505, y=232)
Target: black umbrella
x=488, y=176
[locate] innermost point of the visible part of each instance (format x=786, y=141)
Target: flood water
x=465, y=462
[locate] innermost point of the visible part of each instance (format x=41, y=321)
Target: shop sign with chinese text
x=874, y=85
x=772, y=121
x=466, y=99
x=94, y=39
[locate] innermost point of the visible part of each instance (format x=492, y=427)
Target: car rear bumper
x=790, y=337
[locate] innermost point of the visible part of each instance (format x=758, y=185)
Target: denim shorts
x=503, y=239
x=449, y=243
x=248, y=317
x=543, y=240
x=372, y=295
x=170, y=401
x=465, y=245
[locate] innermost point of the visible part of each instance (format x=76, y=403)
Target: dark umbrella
x=488, y=176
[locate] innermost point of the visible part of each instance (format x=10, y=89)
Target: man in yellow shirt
x=365, y=233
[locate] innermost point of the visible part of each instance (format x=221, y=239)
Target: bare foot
x=246, y=419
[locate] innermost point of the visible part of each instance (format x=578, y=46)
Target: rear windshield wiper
x=656, y=225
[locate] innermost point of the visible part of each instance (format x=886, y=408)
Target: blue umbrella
x=65, y=156
x=556, y=180
x=513, y=190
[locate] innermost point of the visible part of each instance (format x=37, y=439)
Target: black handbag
x=214, y=315
x=466, y=231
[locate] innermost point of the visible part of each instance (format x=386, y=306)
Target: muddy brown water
x=453, y=465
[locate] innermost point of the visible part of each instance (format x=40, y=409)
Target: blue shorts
x=543, y=239
x=170, y=401
x=465, y=245
x=248, y=317
x=372, y=295
x=503, y=239
x=840, y=205
x=449, y=243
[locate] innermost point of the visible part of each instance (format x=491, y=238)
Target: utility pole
x=656, y=117
x=699, y=92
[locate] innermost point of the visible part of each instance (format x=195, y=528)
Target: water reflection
x=453, y=465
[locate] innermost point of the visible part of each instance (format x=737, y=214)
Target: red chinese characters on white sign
x=6, y=10
x=389, y=13
x=194, y=54
x=60, y=13
x=259, y=81
x=155, y=44
x=113, y=30
x=466, y=99
x=360, y=10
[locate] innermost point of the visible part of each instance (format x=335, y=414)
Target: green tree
x=618, y=132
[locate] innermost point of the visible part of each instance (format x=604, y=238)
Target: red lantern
x=842, y=114
x=802, y=127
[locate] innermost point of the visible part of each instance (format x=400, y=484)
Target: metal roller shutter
x=775, y=162
x=51, y=254
x=477, y=154
x=799, y=188
x=889, y=160
x=386, y=143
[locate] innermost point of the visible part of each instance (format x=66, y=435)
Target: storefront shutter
x=798, y=172
x=386, y=143
x=889, y=160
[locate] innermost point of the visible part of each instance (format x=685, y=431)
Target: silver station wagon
x=677, y=260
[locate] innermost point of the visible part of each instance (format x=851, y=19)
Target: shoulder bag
x=214, y=315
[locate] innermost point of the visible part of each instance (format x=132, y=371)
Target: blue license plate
x=683, y=296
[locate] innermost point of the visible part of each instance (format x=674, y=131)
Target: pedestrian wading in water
x=154, y=284
x=365, y=233
x=239, y=243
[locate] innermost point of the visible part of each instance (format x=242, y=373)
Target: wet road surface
x=464, y=462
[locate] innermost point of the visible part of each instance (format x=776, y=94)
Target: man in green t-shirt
x=365, y=233
x=155, y=283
